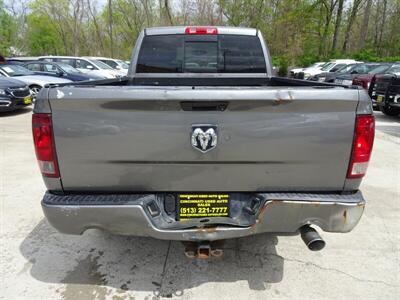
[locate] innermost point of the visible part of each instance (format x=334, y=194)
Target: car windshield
x=123, y=64
x=15, y=70
x=379, y=69
x=345, y=69
x=68, y=69
x=394, y=70
x=100, y=64
x=327, y=67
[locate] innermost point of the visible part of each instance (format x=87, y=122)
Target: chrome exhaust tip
x=311, y=238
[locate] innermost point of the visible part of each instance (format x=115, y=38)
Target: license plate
x=379, y=98
x=193, y=206
x=28, y=100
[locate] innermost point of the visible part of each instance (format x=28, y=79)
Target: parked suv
x=84, y=65
x=60, y=70
x=332, y=66
x=116, y=64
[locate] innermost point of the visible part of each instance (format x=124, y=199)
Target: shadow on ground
x=89, y=263
x=17, y=112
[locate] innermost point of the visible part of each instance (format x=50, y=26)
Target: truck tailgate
x=116, y=139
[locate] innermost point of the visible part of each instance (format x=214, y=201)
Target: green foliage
x=298, y=32
x=308, y=59
x=6, y=31
x=42, y=36
x=369, y=55
x=282, y=63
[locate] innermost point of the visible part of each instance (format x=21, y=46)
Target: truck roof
x=182, y=30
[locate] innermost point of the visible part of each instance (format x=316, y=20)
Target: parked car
x=387, y=91
x=84, y=65
x=116, y=64
x=332, y=66
x=154, y=160
x=60, y=70
x=14, y=94
x=346, y=78
x=364, y=80
x=294, y=73
x=34, y=82
x=20, y=60
x=330, y=76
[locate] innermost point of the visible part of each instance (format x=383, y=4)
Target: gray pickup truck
x=200, y=143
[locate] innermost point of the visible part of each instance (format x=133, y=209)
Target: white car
x=35, y=82
x=85, y=65
x=117, y=64
x=331, y=66
x=317, y=65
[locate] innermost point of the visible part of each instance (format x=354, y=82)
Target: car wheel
x=390, y=111
x=35, y=89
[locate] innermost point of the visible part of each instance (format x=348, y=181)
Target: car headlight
x=368, y=84
x=321, y=79
x=306, y=75
x=2, y=92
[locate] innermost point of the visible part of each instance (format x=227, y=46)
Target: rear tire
x=390, y=111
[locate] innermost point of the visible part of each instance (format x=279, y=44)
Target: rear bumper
x=130, y=215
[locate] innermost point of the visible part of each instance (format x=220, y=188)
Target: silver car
x=35, y=82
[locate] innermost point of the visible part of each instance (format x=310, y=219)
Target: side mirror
x=354, y=72
x=90, y=67
x=118, y=67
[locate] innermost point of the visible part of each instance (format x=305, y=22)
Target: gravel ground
x=39, y=263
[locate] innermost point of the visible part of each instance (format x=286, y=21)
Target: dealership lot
x=39, y=263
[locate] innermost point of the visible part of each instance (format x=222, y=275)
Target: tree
x=110, y=27
x=42, y=37
x=298, y=32
x=6, y=31
x=364, y=26
x=328, y=9
x=337, y=26
x=350, y=22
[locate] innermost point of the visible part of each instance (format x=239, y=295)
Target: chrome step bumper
x=130, y=215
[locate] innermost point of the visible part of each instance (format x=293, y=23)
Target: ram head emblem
x=204, y=137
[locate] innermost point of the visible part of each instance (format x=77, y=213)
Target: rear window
x=205, y=54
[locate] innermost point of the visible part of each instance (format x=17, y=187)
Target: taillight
x=362, y=146
x=201, y=30
x=43, y=140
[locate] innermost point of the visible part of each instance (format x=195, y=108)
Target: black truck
x=385, y=91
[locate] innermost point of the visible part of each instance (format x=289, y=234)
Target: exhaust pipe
x=311, y=238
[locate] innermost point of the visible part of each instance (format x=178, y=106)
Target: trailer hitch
x=204, y=250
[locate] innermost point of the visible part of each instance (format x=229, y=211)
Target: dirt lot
x=39, y=263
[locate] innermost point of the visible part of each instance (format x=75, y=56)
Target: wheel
x=390, y=111
x=35, y=90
